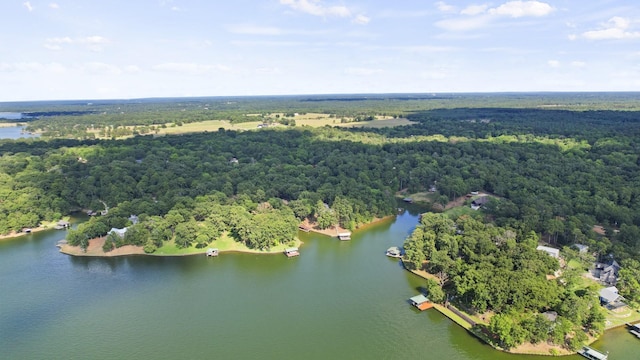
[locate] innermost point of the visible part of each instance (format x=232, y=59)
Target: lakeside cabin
x=394, y=252
x=212, y=252
x=593, y=354
x=421, y=302
x=291, y=252
x=344, y=236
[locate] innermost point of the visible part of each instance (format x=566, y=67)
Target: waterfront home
x=610, y=298
x=607, y=272
x=291, y=252
x=119, y=232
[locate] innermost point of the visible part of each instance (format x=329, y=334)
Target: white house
x=119, y=232
x=549, y=250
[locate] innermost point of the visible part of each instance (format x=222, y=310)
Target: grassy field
x=312, y=120
x=224, y=244
x=458, y=211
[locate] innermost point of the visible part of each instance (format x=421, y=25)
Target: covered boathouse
x=421, y=302
x=344, y=236
x=291, y=252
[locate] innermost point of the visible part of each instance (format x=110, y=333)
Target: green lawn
x=458, y=211
x=224, y=243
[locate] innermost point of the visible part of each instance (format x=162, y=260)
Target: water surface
x=338, y=300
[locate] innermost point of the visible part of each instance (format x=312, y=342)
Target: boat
x=212, y=252
x=394, y=252
x=593, y=354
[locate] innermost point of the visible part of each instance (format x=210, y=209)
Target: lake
x=13, y=132
x=337, y=300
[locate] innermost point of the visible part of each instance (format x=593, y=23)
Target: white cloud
x=32, y=67
x=249, y=29
x=361, y=20
x=54, y=6
x=360, y=71
x=318, y=8
x=615, y=29
x=444, y=7
x=315, y=7
x=553, y=63
x=100, y=68
x=93, y=43
x=474, y=9
x=190, y=68
x=578, y=64
x=516, y=9
x=464, y=23
x=27, y=4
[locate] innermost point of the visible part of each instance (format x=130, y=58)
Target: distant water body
x=13, y=132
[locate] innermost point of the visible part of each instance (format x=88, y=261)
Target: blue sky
x=95, y=49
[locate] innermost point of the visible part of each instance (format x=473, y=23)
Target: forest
x=555, y=165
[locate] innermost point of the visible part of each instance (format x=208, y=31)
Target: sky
x=123, y=49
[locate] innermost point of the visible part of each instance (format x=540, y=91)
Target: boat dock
x=344, y=236
x=291, y=252
x=634, y=329
x=212, y=252
x=304, y=228
x=421, y=302
x=592, y=354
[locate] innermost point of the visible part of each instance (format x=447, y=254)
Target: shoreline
x=13, y=234
x=334, y=230
x=95, y=250
x=95, y=245
x=444, y=311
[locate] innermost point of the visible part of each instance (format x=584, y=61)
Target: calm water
x=341, y=300
x=13, y=132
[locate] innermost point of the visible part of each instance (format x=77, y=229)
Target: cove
x=338, y=299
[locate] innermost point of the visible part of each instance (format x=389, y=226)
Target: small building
x=62, y=224
x=344, y=236
x=610, y=298
x=394, y=252
x=119, y=232
x=549, y=250
x=421, y=302
x=408, y=200
x=581, y=248
x=552, y=316
x=134, y=219
x=291, y=252
x=592, y=354
x=479, y=202
x=212, y=252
